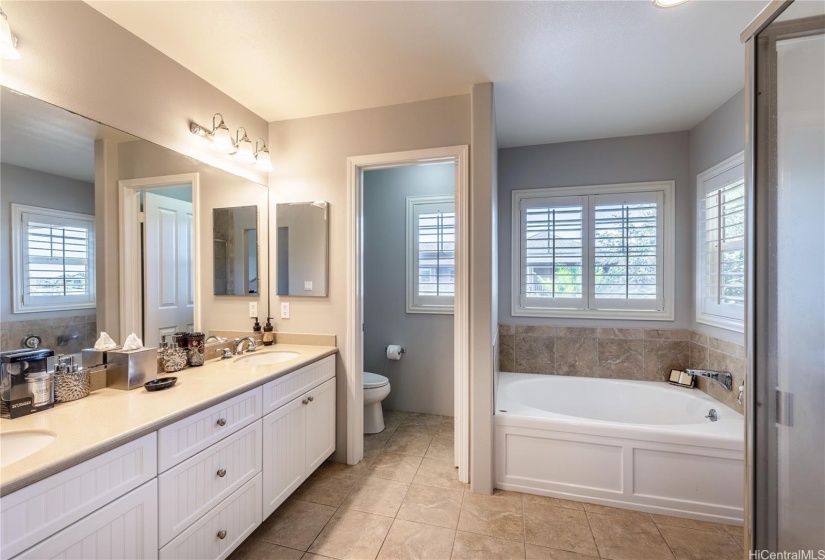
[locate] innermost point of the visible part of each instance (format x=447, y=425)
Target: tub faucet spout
x=723, y=378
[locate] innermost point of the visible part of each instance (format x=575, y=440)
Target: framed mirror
x=302, y=240
x=235, y=233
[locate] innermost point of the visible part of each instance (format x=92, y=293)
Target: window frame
x=715, y=178
x=665, y=312
x=433, y=304
x=20, y=257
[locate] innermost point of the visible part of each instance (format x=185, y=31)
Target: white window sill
x=734, y=325
x=631, y=315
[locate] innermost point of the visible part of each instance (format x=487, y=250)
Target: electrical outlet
x=285, y=310
x=253, y=308
x=307, y=285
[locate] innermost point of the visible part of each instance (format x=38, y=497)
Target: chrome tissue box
x=130, y=369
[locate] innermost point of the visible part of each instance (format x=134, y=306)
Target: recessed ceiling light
x=667, y=3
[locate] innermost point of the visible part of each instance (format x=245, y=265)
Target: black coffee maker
x=26, y=385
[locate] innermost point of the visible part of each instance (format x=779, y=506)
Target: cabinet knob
x=221, y=534
x=221, y=473
x=221, y=421
x=310, y=399
x=305, y=401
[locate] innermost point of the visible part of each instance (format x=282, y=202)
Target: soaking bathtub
x=640, y=445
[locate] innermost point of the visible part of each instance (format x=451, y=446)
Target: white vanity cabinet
x=299, y=434
x=195, y=489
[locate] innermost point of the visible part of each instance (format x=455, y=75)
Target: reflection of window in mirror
x=235, y=250
x=54, y=259
x=303, y=246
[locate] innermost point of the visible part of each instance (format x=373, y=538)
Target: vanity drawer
x=192, y=488
x=126, y=528
x=279, y=392
x=238, y=515
x=40, y=510
x=181, y=440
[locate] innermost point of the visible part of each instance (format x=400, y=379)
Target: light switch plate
x=307, y=285
x=253, y=308
x=285, y=310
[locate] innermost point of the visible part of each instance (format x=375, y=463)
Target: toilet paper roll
x=394, y=352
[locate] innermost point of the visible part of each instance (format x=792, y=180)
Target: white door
x=168, y=291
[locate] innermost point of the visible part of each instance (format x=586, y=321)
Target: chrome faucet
x=723, y=378
x=213, y=338
x=251, y=346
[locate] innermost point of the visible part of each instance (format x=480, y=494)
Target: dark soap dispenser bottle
x=269, y=334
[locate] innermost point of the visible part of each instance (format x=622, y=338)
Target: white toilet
x=376, y=389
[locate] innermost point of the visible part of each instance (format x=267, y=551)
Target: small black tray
x=160, y=384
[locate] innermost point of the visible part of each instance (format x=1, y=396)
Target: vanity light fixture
x=8, y=41
x=246, y=152
x=240, y=146
x=667, y=3
x=263, y=161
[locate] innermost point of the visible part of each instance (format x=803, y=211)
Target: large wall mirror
x=103, y=231
x=303, y=248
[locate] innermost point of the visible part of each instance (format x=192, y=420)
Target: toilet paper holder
x=401, y=351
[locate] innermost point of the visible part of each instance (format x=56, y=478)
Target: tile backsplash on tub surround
x=75, y=333
x=627, y=353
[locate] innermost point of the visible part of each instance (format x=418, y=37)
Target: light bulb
x=668, y=3
x=222, y=140
x=263, y=161
x=246, y=152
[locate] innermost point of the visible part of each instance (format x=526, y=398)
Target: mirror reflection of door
x=168, y=289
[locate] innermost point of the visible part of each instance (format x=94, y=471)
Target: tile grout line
x=592, y=534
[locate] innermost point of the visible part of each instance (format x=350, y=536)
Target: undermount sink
x=19, y=445
x=267, y=358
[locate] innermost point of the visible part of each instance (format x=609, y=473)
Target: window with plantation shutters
x=430, y=254
x=602, y=251
x=54, y=259
x=720, y=267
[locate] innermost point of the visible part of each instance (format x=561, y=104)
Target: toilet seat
x=373, y=380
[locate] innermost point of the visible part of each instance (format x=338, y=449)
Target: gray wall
x=422, y=381
x=651, y=157
x=715, y=139
x=26, y=186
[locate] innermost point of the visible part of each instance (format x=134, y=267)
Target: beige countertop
x=108, y=417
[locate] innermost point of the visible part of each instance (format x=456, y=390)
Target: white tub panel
x=577, y=464
x=692, y=478
x=690, y=469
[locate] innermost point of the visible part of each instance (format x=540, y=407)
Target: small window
x=601, y=252
x=720, y=266
x=430, y=254
x=54, y=263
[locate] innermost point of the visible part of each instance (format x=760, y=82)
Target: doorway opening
x=408, y=286
x=159, y=245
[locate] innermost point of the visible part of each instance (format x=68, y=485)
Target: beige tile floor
x=404, y=501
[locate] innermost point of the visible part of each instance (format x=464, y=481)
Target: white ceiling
x=46, y=138
x=563, y=70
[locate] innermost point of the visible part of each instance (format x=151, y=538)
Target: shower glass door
x=791, y=321
x=800, y=265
